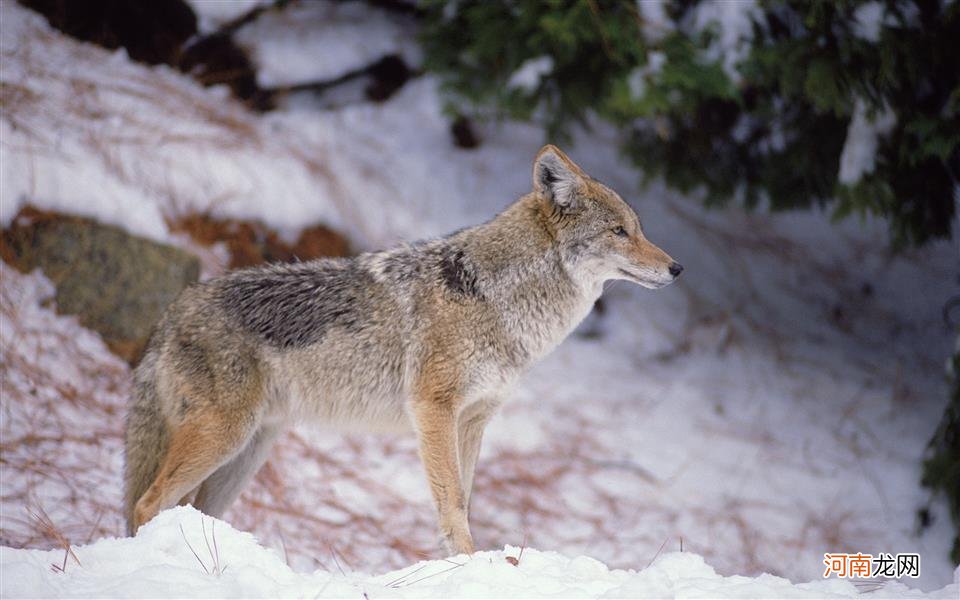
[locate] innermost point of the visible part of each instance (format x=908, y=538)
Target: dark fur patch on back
x=457, y=275
x=191, y=359
x=403, y=266
x=291, y=306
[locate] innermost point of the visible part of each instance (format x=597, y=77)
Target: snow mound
x=183, y=553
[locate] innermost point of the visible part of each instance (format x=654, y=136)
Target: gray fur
x=222, y=488
x=292, y=306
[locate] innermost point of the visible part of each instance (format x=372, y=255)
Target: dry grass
x=64, y=401
x=330, y=500
x=213, y=550
x=44, y=523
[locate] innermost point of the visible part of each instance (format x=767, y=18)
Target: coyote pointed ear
x=556, y=177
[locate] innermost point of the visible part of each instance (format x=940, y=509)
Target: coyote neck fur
x=524, y=271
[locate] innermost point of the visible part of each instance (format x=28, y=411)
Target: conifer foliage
x=849, y=103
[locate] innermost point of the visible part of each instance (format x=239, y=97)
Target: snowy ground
x=769, y=407
x=184, y=554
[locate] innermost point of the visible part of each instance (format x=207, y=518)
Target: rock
x=116, y=283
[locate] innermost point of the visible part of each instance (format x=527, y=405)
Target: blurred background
x=786, y=398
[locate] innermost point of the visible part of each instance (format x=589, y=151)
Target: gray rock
x=116, y=283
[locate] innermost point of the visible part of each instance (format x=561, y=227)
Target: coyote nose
x=675, y=269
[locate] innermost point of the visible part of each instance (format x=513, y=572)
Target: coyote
x=426, y=336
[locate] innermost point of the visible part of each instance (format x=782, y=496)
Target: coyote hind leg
x=190, y=497
x=197, y=448
x=221, y=489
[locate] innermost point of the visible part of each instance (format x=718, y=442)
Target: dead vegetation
x=43, y=523
x=334, y=501
x=213, y=550
x=60, y=431
x=252, y=242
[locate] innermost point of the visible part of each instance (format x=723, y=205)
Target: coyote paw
x=458, y=542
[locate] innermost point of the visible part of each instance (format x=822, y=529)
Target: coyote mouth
x=632, y=275
x=641, y=280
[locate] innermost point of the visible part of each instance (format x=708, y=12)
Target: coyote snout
x=424, y=337
x=650, y=266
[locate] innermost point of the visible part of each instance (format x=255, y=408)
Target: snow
x=92, y=133
x=734, y=22
x=771, y=406
x=870, y=18
x=55, y=372
x=867, y=20
x=860, y=148
x=184, y=554
x=213, y=14
x=637, y=80
x=527, y=77
x=655, y=23
x=322, y=40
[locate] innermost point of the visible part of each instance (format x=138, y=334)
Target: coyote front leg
x=436, y=421
x=472, y=422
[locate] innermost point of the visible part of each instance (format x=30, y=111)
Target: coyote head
x=599, y=235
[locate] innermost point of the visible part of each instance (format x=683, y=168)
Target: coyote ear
x=556, y=177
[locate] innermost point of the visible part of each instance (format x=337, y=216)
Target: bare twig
x=659, y=550
x=447, y=570
x=197, y=556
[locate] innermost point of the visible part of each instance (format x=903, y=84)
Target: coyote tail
x=145, y=441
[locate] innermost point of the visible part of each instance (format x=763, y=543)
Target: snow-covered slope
x=771, y=406
x=90, y=132
x=184, y=554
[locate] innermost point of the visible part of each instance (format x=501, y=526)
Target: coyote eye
x=619, y=230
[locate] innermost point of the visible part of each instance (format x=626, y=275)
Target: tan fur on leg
x=436, y=427
x=473, y=420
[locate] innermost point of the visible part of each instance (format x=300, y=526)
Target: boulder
x=117, y=284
